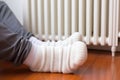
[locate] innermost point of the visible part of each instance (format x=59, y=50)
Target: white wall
x=17, y=7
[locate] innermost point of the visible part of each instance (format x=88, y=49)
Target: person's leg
x=16, y=47
x=13, y=47
x=49, y=57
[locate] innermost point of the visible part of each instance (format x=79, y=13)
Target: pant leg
x=8, y=18
x=13, y=47
x=14, y=44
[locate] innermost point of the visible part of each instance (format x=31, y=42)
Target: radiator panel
x=96, y=20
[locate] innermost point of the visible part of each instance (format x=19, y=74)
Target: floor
x=99, y=66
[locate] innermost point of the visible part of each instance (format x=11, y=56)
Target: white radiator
x=96, y=20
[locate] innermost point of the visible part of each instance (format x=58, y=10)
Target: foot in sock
x=56, y=58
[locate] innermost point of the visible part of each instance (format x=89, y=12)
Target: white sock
x=56, y=58
x=35, y=40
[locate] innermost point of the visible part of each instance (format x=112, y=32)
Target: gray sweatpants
x=14, y=44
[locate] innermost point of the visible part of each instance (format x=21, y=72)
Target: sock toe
x=78, y=55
